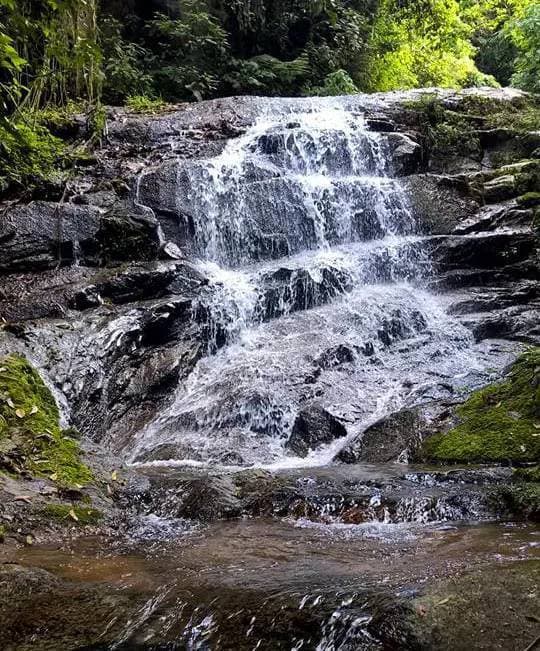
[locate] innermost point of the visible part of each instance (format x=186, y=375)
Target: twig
x=532, y=645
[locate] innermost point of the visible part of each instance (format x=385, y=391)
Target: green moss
x=145, y=105
x=522, y=114
x=30, y=432
x=84, y=515
x=532, y=473
x=529, y=199
x=29, y=155
x=454, y=132
x=500, y=423
x=522, y=500
x=447, y=132
x=56, y=119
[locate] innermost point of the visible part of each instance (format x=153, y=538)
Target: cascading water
x=310, y=247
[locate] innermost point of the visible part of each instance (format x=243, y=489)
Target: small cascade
x=316, y=180
x=309, y=246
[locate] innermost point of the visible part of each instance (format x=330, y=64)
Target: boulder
x=125, y=235
x=133, y=284
x=314, y=426
x=386, y=439
x=335, y=357
x=405, y=153
x=500, y=189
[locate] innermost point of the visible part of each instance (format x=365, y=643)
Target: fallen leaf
x=29, y=540
x=114, y=475
x=34, y=410
x=54, y=476
x=444, y=601
x=10, y=403
x=20, y=413
x=73, y=515
x=23, y=498
x=79, y=486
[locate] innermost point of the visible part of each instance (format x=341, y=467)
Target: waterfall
x=309, y=244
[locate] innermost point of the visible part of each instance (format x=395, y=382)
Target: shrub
x=29, y=154
x=336, y=83
x=144, y=104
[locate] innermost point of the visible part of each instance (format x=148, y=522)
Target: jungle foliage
x=81, y=53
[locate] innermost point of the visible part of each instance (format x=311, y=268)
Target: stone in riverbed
x=314, y=426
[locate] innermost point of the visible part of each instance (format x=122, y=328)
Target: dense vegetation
x=61, y=56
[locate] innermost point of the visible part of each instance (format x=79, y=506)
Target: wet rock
x=131, y=285
x=33, y=601
x=387, y=439
x=291, y=290
x=439, y=203
x=101, y=199
x=500, y=189
x=401, y=326
x=405, y=153
x=489, y=299
x=86, y=298
x=125, y=236
x=398, y=626
x=42, y=235
x=529, y=200
x=336, y=356
x=314, y=426
x=483, y=251
x=510, y=215
x=520, y=323
x=490, y=604
x=380, y=122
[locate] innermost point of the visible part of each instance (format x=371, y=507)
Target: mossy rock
x=521, y=499
x=522, y=114
x=30, y=432
x=529, y=199
x=69, y=514
x=532, y=473
x=500, y=423
x=456, y=129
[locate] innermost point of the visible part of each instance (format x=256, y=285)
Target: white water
x=308, y=244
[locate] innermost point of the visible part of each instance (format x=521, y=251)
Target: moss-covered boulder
x=500, y=423
x=31, y=439
x=70, y=514
x=465, y=131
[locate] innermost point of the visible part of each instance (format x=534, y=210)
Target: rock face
x=98, y=289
